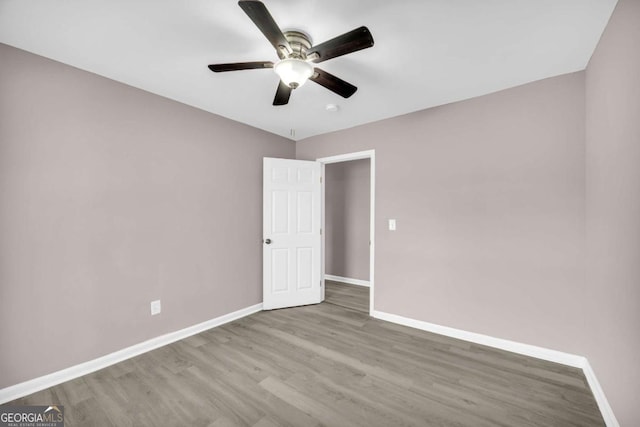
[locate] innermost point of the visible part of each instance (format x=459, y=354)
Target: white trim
x=347, y=157
x=348, y=280
x=31, y=386
x=603, y=404
x=515, y=347
x=368, y=154
x=372, y=232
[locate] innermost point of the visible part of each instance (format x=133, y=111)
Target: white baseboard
x=601, y=399
x=31, y=386
x=347, y=280
x=514, y=347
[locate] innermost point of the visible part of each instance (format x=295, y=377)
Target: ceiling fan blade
x=260, y=16
x=237, y=66
x=333, y=83
x=353, y=41
x=282, y=94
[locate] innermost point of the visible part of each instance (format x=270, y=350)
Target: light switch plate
x=392, y=224
x=156, y=308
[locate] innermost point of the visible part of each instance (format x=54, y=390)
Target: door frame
x=371, y=155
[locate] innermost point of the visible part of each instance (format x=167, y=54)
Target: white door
x=291, y=233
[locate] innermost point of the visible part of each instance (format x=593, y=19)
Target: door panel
x=291, y=228
x=280, y=212
x=279, y=271
x=305, y=268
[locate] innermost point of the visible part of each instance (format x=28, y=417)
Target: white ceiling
x=426, y=53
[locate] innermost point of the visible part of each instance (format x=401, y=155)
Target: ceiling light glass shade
x=293, y=72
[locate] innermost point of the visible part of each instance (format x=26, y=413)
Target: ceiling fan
x=297, y=55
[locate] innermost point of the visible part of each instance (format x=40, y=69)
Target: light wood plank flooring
x=325, y=365
x=347, y=296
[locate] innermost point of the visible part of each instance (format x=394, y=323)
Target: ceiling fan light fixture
x=293, y=72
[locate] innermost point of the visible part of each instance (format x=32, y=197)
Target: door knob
x=268, y=241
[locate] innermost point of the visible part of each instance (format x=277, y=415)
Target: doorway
x=336, y=291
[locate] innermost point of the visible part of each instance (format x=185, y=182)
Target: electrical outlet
x=156, y=308
x=392, y=224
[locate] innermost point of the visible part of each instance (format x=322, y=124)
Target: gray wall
x=613, y=210
x=111, y=197
x=489, y=200
x=347, y=210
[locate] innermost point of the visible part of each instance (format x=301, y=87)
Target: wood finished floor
x=325, y=365
x=347, y=296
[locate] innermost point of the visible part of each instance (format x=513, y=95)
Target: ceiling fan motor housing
x=299, y=42
x=293, y=68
